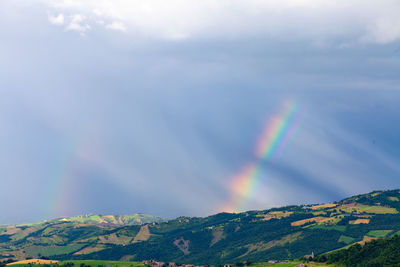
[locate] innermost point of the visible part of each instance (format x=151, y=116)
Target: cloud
x=118, y=26
x=56, y=20
x=315, y=20
x=169, y=123
x=77, y=23
x=384, y=30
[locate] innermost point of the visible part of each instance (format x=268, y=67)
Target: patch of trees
x=381, y=252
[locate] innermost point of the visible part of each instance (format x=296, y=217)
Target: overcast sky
x=152, y=106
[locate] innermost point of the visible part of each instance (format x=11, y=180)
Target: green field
x=24, y=233
x=288, y=264
x=340, y=228
x=369, y=209
x=393, y=198
x=52, y=250
x=283, y=264
x=346, y=239
x=105, y=263
x=85, y=219
x=379, y=233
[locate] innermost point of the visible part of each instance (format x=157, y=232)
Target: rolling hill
x=278, y=233
x=64, y=235
x=381, y=252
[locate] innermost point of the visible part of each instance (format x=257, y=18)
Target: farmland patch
x=346, y=239
x=379, y=233
x=360, y=221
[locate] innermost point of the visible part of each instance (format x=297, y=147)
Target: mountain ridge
x=123, y=219
x=276, y=233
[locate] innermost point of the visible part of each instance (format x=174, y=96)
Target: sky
x=165, y=107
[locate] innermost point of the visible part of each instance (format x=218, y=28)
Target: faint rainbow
x=274, y=138
x=60, y=192
x=54, y=201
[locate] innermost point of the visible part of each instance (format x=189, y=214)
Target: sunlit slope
x=280, y=233
x=132, y=219
x=381, y=252
x=68, y=235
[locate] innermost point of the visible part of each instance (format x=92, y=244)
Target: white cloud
x=317, y=20
x=385, y=30
x=56, y=20
x=97, y=12
x=77, y=23
x=118, y=26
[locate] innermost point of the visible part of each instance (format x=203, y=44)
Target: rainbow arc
x=272, y=142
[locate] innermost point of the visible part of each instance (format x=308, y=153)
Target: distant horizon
x=193, y=216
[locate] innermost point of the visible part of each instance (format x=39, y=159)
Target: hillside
x=134, y=219
x=279, y=233
x=65, y=235
x=381, y=252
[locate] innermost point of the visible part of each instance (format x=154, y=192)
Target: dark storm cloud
x=162, y=114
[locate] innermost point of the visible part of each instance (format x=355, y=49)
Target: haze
x=119, y=107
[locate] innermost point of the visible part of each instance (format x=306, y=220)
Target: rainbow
x=277, y=132
x=59, y=196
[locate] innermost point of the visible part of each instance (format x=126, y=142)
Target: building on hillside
x=309, y=257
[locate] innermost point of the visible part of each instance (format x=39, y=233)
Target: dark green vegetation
x=85, y=263
x=100, y=263
x=280, y=233
x=380, y=252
